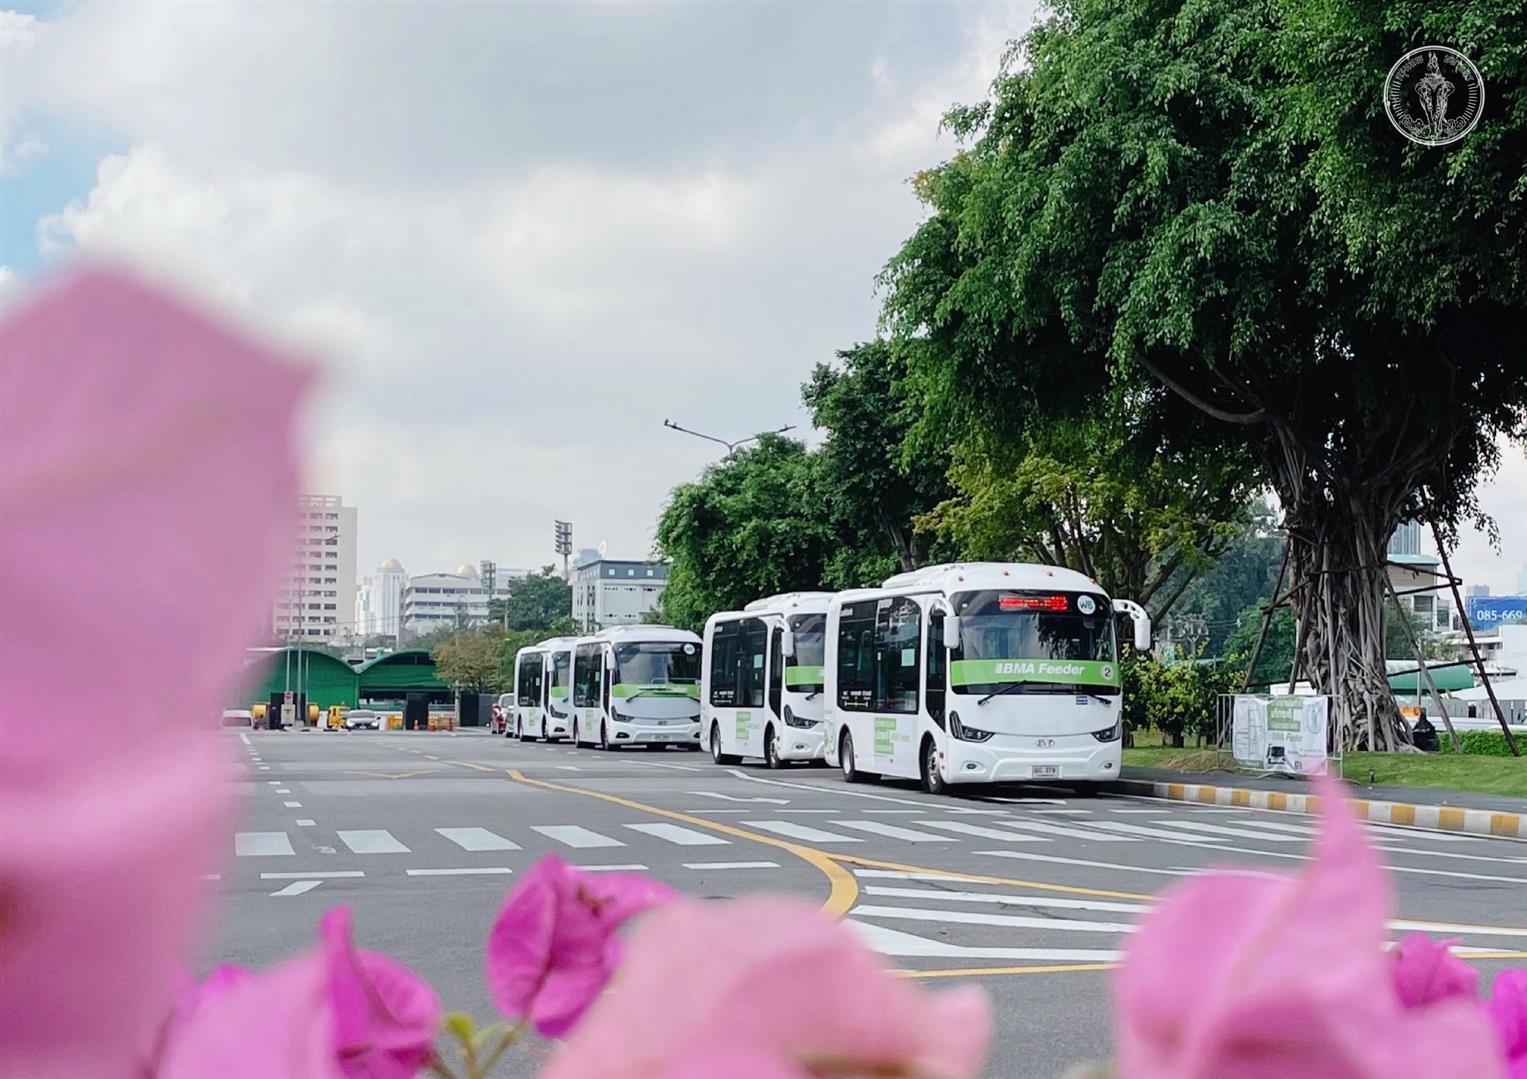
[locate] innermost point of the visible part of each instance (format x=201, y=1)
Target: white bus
x=637, y=685
x=762, y=691
x=977, y=673
x=542, y=684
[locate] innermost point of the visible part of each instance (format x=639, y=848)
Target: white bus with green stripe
x=762, y=691
x=543, y=675
x=977, y=673
x=637, y=685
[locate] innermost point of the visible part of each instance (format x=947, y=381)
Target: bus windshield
x=556, y=676
x=657, y=663
x=1048, y=642
x=803, y=671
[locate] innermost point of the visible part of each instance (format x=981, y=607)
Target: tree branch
x=1245, y=419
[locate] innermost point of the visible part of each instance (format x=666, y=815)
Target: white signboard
x=1280, y=734
x=288, y=714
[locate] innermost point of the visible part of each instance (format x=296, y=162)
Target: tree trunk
x=1338, y=547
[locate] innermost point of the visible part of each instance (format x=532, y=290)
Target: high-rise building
x=1477, y=590
x=317, y=598
x=387, y=586
x=1406, y=539
x=365, y=612
x=612, y=593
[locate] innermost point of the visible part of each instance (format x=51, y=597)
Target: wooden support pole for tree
x=1500, y=717
x=1410, y=635
x=1267, y=616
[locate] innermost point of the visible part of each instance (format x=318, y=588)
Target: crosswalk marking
x=978, y=830
x=1237, y=833
x=731, y=865
x=477, y=839
x=972, y=917
x=1069, y=833
x=1380, y=829
x=464, y=871
x=1025, y=855
x=297, y=887
x=324, y=874
x=631, y=868
x=371, y=841
x=573, y=835
x=261, y=844
x=891, y=831
x=1151, y=833
x=799, y=831
x=684, y=837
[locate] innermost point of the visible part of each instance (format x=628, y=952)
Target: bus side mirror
x=1141, y=620
x=787, y=643
x=952, y=631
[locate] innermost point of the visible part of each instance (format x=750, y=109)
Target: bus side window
x=776, y=668
x=938, y=657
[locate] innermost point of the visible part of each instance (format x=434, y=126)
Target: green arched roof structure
x=328, y=680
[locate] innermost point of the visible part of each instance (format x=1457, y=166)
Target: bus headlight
x=1111, y=734
x=793, y=720
x=964, y=733
x=618, y=716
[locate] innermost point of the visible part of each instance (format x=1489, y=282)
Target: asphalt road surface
x=422, y=834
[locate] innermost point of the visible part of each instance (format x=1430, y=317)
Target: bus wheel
x=604, y=737
x=771, y=748
x=715, y=748
x=850, y=770
x=577, y=741
x=933, y=782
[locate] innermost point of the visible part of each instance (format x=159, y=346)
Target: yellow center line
x=977, y=972
x=843, y=892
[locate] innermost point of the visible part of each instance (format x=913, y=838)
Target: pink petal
x=265, y=1026
x=138, y=440
x=518, y=955
x=1426, y=972
x=385, y=1016
x=1508, y=1014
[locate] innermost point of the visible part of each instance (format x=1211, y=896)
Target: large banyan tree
x=1200, y=211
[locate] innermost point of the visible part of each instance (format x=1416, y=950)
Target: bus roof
x=980, y=576
x=631, y=634
x=550, y=644
x=789, y=603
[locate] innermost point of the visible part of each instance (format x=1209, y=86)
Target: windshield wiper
x=1058, y=686
x=812, y=694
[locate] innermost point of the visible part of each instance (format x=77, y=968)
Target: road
x=421, y=834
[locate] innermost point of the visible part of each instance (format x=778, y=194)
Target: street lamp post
x=731, y=447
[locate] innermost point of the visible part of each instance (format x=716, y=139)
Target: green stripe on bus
x=1087, y=672
x=558, y=692
x=654, y=689
x=803, y=676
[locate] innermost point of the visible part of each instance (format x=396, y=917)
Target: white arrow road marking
x=734, y=798
x=889, y=941
x=297, y=887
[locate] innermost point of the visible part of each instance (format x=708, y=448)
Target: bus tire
x=577, y=739
x=715, y=748
x=604, y=737
x=851, y=771
x=771, y=748
x=933, y=782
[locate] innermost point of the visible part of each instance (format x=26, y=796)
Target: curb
x=1443, y=818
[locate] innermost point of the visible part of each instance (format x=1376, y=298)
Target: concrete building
x=1435, y=609
x=435, y=600
x=608, y=593
x=1406, y=539
x=387, y=597
x=317, y=599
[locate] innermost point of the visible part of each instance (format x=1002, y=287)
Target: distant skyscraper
x=1406, y=539
x=387, y=597
x=317, y=598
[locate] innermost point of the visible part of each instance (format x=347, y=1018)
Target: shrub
x=1484, y=743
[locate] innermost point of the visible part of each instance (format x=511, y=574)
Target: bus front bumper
x=672, y=733
x=800, y=743
x=1020, y=758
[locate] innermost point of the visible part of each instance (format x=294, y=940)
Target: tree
x=540, y=601
x=880, y=467
x=751, y=526
x=1085, y=493
x=1244, y=575
x=469, y=660
x=1202, y=208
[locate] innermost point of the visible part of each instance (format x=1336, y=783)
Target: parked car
x=238, y=717
x=502, y=709
x=363, y=719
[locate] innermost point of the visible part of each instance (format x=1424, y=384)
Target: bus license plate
x=1045, y=771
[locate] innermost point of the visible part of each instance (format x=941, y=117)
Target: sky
x=514, y=237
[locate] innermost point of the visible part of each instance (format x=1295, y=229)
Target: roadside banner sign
x=288, y=714
x=1488, y=612
x=1280, y=733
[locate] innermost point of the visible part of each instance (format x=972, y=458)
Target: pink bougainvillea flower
x=385, y=1016
x=334, y=1013
x=554, y=945
x=1508, y=1011
x=1425, y=972
x=147, y=490
x=854, y=1017
x=1263, y=977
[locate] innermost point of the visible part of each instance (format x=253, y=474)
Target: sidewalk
x=1422, y=807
